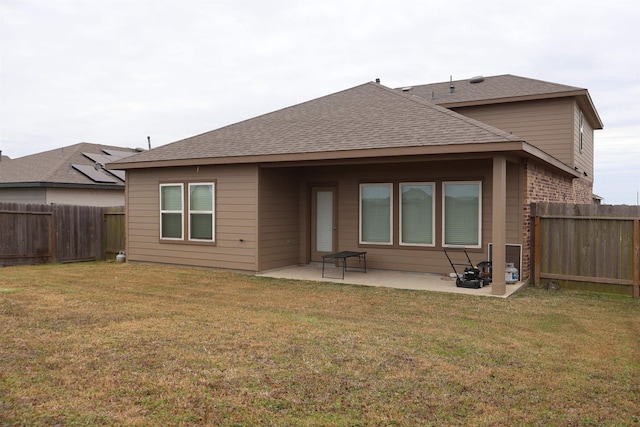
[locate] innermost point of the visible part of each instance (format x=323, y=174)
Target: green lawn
x=117, y=344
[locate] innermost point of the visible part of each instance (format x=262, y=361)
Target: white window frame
x=211, y=212
x=433, y=213
x=444, y=217
x=181, y=211
x=390, y=186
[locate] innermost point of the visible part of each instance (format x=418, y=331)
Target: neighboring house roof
x=500, y=89
x=78, y=165
x=364, y=121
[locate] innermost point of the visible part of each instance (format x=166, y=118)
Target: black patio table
x=362, y=256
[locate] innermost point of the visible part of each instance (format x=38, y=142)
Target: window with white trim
x=171, y=212
x=376, y=213
x=201, y=207
x=417, y=205
x=199, y=219
x=462, y=213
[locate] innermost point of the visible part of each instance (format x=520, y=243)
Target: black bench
x=362, y=256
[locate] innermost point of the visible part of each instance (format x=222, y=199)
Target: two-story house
x=398, y=173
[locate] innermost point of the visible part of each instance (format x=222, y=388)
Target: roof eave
x=536, y=153
x=42, y=184
x=586, y=103
x=521, y=148
x=314, y=156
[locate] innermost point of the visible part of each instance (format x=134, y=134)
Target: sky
x=117, y=71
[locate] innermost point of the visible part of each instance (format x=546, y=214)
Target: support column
x=499, y=225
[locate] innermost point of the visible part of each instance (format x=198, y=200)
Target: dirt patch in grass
x=121, y=344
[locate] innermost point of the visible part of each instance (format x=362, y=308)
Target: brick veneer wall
x=544, y=185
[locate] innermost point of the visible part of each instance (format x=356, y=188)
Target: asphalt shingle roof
x=489, y=88
x=369, y=116
x=55, y=166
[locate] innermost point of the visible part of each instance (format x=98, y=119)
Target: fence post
x=636, y=258
x=52, y=235
x=536, y=251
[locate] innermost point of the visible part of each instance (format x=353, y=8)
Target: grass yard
x=101, y=344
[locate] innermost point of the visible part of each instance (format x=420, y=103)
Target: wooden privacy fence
x=33, y=234
x=591, y=247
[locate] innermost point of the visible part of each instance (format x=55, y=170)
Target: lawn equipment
x=473, y=276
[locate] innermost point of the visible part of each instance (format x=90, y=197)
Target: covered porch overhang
x=496, y=167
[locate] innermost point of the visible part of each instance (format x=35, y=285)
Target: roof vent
x=407, y=89
x=476, y=79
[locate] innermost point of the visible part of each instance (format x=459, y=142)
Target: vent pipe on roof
x=149, y=141
x=452, y=88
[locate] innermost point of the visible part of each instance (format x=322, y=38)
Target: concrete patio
x=383, y=278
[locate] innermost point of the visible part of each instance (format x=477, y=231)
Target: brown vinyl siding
x=281, y=231
x=236, y=218
x=278, y=222
x=583, y=159
x=546, y=124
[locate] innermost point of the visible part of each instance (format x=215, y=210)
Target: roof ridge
x=494, y=77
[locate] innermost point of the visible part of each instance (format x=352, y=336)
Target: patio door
x=323, y=222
